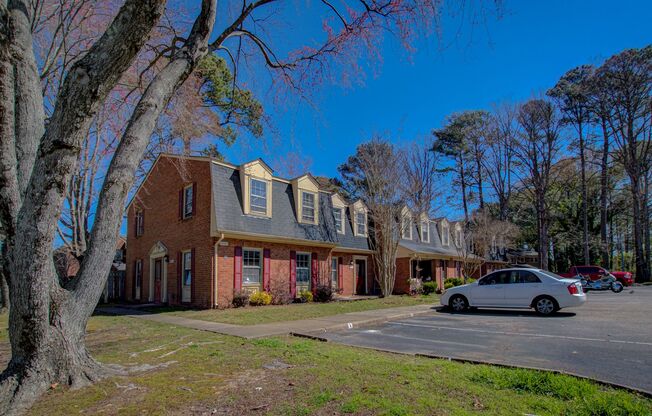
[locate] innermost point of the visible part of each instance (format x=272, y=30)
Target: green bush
x=456, y=281
x=239, y=299
x=428, y=288
x=260, y=299
x=305, y=296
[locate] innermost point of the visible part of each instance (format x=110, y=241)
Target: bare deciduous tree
x=537, y=151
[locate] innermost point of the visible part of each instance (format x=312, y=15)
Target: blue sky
x=521, y=54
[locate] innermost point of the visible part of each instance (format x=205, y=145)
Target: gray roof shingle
x=229, y=214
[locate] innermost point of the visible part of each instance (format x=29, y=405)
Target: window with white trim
x=406, y=228
x=425, y=232
x=140, y=223
x=307, y=206
x=445, y=234
x=338, y=213
x=251, y=267
x=187, y=201
x=334, y=272
x=458, y=237
x=258, y=196
x=303, y=268
x=186, y=278
x=138, y=278
x=361, y=223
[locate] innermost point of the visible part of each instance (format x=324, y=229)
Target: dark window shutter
x=181, y=204
x=142, y=222
x=179, y=275
x=293, y=274
x=193, y=276
x=340, y=272
x=194, y=198
x=237, y=269
x=266, y=271
x=135, y=217
x=314, y=276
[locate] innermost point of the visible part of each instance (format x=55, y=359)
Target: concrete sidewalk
x=305, y=327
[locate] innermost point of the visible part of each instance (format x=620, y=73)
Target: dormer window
x=406, y=228
x=305, y=190
x=258, y=196
x=256, y=185
x=458, y=236
x=338, y=213
x=445, y=234
x=361, y=223
x=425, y=232
x=307, y=207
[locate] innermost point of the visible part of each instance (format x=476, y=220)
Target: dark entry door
x=361, y=276
x=157, y=280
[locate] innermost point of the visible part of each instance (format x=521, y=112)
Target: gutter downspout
x=216, y=271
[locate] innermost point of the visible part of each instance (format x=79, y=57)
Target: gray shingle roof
x=229, y=214
x=434, y=247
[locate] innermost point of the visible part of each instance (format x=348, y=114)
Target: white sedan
x=517, y=288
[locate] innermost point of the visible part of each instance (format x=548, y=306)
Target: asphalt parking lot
x=608, y=339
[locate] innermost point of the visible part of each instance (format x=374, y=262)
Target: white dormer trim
x=256, y=170
x=424, y=224
x=305, y=184
x=339, y=204
x=358, y=207
x=445, y=232
x=458, y=235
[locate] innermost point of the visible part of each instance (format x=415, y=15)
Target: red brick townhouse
x=200, y=230
x=431, y=249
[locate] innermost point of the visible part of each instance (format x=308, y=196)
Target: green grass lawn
x=251, y=315
x=206, y=373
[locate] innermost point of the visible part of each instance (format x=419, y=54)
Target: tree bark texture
x=604, y=192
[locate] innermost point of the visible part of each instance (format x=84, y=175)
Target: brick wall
x=402, y=285
x=279, y=267
x=159, y=200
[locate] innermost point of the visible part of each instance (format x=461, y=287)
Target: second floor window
x=140, y=223
x=425, y=232
x=406, y=228
x=187, y=201
x=258, y=196
x=361, y=223
x=338, y=213
x=308, y=207
x=445, y=235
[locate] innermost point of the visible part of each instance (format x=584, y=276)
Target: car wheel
x=617, y=287
x=458, y=303
x=545, y=305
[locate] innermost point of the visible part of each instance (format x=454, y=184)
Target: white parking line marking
x=523, y=334
x=431, y=341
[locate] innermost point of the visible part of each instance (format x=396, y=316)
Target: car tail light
x=572, y=289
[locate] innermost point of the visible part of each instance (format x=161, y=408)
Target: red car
x=596, y=272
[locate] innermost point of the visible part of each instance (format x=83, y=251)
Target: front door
x=361, y=277
x=157, y=280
